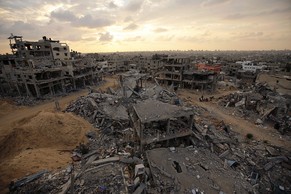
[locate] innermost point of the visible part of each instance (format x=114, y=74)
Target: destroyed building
x=131, y=82
x=247, y=77
x=147, y=65
x=261, y=104
x=155, y=121
x=173, y=70
x=45, y=48
x=199, y=80
x=44, y=67
x=178, y=72
x=209, y=67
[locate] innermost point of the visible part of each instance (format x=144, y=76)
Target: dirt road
x=239, y=125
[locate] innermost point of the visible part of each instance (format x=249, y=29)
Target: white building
x=250, y=66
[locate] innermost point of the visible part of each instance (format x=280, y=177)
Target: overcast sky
x=129, y=25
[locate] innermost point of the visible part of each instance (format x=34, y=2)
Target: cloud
x=112, y=5
x=63, y=15
x=105, y=37
x=134, y=5
x=209, y=3
x=128, y=19
x=165, y=38
x=188, y=38
x=274, y=11
x=136, y=38
x=235, y=16
x=131, y=26
x=89, y=39
x=90, y=22
x=83, y=21
x=248, y=35
x=160, y=30
x=164, y=20
x=206, y=33
x=20, y=4
x=17, y=27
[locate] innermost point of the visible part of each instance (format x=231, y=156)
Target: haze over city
x=145, y=25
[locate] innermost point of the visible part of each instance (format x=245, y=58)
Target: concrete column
x=191, y=121
x=37, y=90
x=50, y=87
x=53, y=88
x=92, y=80
x=19, y=93
x=27, y=90
x=141, y=135
x=63, y=86
x=168, y=130
x=74, y=83
x=168, y=126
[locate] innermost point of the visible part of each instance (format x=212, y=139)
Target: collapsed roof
x=153, y=110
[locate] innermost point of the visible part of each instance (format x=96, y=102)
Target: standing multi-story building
x=44, y=67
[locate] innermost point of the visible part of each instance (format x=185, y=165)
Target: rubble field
x=143, y=138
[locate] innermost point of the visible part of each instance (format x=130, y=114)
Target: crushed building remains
x=143, y=145
x=155, y=121
x=261, y=104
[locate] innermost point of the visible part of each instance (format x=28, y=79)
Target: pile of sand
x=6, y=106
x=45, y=130
x=40, y=142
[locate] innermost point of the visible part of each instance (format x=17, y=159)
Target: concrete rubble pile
x=265, y=166
x=193, y=169
x=141, y=144
x=261, y=104
x=135, y=85
x=104, y=111
x=21, y=100
x=106, y=164
x=109, y=111
x=161, y=94
x=213, y=160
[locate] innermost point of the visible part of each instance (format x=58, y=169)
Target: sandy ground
x=238, y=124
x=35, y=138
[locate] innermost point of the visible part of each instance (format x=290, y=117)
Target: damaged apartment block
x=178, y=71
x=45, y=67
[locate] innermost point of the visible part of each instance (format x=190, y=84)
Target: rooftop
x=153, y=110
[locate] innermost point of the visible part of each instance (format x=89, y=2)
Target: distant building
x=172, y=72
x=178, y=71
x=208, y=67
x=45, y=48
x=233, y=68
x=203, y=80
x=250, y=66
